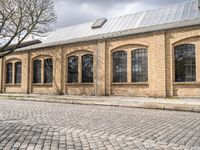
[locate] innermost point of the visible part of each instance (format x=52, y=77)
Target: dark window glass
x=48, y=70
x=120, y=66
x=37, y=71
x=73, y=69
x=87, y=68
x=18, y=72
x=185, y=63
x=139, y=65
x=9, y=67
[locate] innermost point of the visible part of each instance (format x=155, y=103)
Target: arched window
x=9, y=74
x=37, y=71
x=87, y=68
x=139, y=65
x=18, y=72
x=185, y=63
x=120, y=66
x=72, y=69
x=48, y=70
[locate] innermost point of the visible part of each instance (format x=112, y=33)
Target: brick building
x=153, y=53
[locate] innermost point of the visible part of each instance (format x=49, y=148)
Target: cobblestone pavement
x=37, y=125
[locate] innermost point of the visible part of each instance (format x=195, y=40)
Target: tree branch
x=20, y=19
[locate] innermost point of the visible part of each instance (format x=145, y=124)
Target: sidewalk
x=181, y=104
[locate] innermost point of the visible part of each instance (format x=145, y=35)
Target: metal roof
x=23, y=44
x=173, y=16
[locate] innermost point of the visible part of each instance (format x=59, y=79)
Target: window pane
x=18, y=72
x=48, y=70
x=120, y=66
x=72, y=69
x=37, y=71
x=9, y=73
x=139, y=65
x=87, y=68
x=185, y=63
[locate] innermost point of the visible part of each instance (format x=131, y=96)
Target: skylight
x=99, y=23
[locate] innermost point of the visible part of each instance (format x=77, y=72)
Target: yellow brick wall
x=12, y=88
x=161, y=74
x=155, y=44
x=55, y=87
x=78, y=50
x=174, y=38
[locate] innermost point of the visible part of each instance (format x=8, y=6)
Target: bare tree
x=20, y=19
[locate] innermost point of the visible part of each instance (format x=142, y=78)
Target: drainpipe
x=29, y=75
x=2, y=74
x=97, y=69
x=63, y=79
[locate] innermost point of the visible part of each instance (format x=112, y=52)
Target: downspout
x=63, y=74
x=97, y=69
x=29, y=74
x=2, y=74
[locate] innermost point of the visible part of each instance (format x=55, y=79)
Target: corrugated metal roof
x=177, y=15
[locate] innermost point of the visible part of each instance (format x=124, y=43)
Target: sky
x=71, y=12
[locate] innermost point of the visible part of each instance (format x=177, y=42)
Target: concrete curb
x=116, y=103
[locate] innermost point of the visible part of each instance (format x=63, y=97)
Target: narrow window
x=48, y=70
x=139, y=65
x=120, y=66
x=37, y=71
x=18, y=72
x=9, y=74
x=185, y=63
x=73, y=69
x=87, y=68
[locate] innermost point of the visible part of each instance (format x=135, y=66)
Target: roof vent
x=99, y=23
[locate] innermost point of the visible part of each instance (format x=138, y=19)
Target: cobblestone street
x=37, y=125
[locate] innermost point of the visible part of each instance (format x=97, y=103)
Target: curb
x=146, y=105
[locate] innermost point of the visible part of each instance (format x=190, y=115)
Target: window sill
x=42, y=84
x=78, y=84
x=12, y=84
x=140, y=83
x=132, y=83
x=186, y=83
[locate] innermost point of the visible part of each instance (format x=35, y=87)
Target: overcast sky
x=70, y=12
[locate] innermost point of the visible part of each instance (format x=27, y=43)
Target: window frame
x=16, y=73
x=142, y=76
x=79, y=54
x=45, y=74
x=193, y=80
x=77, y=72
x=82, y=70
x=42, y=59
x=33, y=72
x=11, y=73
x=126, y=67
